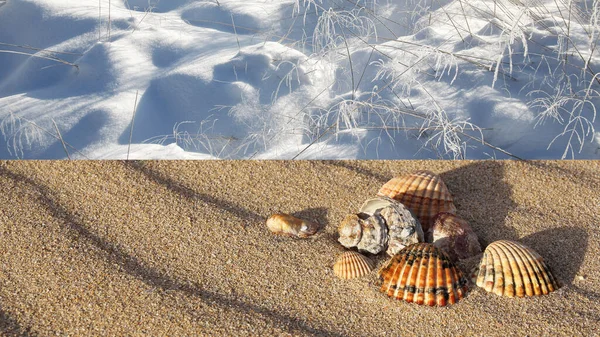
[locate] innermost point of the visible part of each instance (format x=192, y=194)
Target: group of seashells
x=413, y=219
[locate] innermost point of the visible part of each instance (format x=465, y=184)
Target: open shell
x=351, y=265
x=403, y=228
x=454, y=236
x=287, y=225
x=511, y=269
x=423, y=274
x=423, y=192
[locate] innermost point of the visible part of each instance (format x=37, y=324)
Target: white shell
x=403, y=228
x=367, y=233
x=350, y=231
x=374, y=235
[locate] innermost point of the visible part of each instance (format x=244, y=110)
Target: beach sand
x=181, y=248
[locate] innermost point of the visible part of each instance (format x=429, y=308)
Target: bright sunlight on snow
x=306, y=79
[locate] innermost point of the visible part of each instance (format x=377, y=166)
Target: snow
x=305, y=79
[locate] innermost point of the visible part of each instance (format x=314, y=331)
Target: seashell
x=423, y=192
x=422, y=273
x=374, y=235
x=510, y=268
x=403, y=228
x=351, y=265
x=454, y=236
x=350, y=231
x=285, y=224
x=367, y=233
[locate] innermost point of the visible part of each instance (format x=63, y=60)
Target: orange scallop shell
x=422, y=273
x=511, y=269
x=351, y=265
x=423, y=192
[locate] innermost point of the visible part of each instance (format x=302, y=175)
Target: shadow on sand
x=154, y=278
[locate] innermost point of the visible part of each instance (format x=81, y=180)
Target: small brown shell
x=351, y=265
x=511, y=269
x=287, y=225
x=454, y=236
x=423, y=274
x=423, y=192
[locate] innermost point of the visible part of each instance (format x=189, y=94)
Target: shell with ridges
x=351, y=265
x=423, y=192
x=287, y=225
x=423, y=274
x=511, y=269
x=454, y=236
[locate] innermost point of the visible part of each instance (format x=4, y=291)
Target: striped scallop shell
x=421, y=273
x=511, y=269
x=423, y=192
x=351, y=265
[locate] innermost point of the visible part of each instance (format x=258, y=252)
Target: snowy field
x=306, y=79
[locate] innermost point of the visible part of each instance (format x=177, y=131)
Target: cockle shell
x=367, y=233
x=454, y=236
x=351, y=264
x=423, y=274
x=423, y=192
x=511, y=269
x=287, y=225
x=403, y=228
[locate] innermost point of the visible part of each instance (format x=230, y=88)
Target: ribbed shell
x=423, y=192
x=288, y=225
x=423, y=274
x=511, y=269
x=351, y=265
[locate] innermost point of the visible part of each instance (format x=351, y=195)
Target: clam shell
x=423, y=192
x=511, y=269
x=454, y=236
x=403, y=228
x=287, y=225
x=421, y=273
x=351, y=265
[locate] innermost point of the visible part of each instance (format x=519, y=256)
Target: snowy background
x=306, y=79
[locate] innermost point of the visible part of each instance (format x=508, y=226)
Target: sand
x=181, y=248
